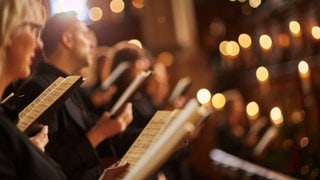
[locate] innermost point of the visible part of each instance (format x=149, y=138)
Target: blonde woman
x=20, y=24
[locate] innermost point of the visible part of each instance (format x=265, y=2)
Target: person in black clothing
x=233, y=125
x=150, y=98
x=96, y=96
x=20, y=22
x=74, y=132
x=127, y=52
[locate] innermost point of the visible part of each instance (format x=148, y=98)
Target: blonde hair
x=12, y=14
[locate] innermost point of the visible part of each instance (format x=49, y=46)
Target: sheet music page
x=149, y=135
x=29, y=113
x=45, y=100
x=156, y=154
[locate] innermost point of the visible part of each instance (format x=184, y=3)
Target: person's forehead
x=81, y=26
x=31, y=15
x=35, y=13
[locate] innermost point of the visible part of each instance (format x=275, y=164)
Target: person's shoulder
x=33, y=83
x=31, y=88
x=38, y=79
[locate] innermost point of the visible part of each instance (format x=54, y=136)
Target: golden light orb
x=218, y=101
x=262, y=74
x=203, y=96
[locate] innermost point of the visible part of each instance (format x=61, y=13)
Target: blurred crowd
x=81, y=139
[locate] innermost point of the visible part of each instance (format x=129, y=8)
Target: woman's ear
x=66, y=39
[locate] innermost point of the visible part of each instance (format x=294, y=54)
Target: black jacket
x=68, y=144
x=19, y=159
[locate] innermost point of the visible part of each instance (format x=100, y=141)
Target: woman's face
x=23, y=42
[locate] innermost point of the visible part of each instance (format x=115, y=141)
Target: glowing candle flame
x=203, y=96
x=276, y=116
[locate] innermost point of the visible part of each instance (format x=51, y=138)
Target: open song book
x=159, y=139
x=37, y=112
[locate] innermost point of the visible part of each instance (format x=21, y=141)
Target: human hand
x=124, y=118
x=102, y=97
x=180, y=102
x=113, y=171
x=189, y=137
x=40, y=140
x=107, y=127
x=117, y=124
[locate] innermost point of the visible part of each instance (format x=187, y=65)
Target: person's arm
x=69, y=144
x=107, y=127
x=75, y=150
x=100, y=98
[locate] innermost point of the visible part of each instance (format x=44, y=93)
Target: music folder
x=181, y=87
x=114, y=75
x=159, y=139
x=129, y=92
x=38, y=112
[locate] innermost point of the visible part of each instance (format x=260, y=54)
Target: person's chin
x=89, y=62
x=25, y=74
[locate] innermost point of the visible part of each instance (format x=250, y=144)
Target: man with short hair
x=74, y=132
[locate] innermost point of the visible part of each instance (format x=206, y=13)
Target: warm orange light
x=135, y=42
x=265, y=41
x=303, y=68
x=254, y=3
x=304, y=142
x=138, y=3
x=218, y=101
x=262, y=74
x=276, y=116
x=252, y=110
x=95, y=13
x=295, y=28
x=232, y=48
x=117, y=6
x=223, y=48
x=203, y=96
x=244, y=40
x=315, y=31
